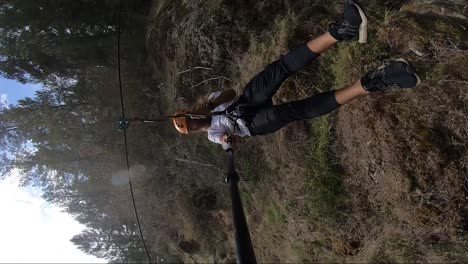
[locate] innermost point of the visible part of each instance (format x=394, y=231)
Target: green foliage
x=64, y=138
x=264, y=49
x=55, y=39
x=325, y=184
x=58, y=38
x=117, y=243
x=351, y=60
x=275, y=215
x=325, y=181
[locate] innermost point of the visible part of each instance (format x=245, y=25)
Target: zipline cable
x=125, y=135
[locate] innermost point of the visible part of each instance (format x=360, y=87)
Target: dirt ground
x=382, y=180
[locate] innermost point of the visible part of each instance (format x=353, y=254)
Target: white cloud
x=34, y=231
x=3, y=100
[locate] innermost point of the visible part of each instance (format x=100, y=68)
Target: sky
x=12, y=91
x=31, y=229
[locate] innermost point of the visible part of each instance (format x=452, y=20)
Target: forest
x=64, y=140
x=382, y=180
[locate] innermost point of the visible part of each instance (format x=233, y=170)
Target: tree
x=58, y=38
x=118, y=243
x=64, y=139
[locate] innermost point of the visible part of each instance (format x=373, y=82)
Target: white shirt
x=221, y=125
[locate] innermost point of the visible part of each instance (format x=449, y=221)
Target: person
x=253, y=113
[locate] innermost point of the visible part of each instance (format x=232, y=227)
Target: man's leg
x=397, y=74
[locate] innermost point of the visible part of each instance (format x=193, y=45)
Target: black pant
x=267, y=118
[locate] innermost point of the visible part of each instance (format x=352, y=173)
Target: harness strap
x=233, y=121
x=230, y=115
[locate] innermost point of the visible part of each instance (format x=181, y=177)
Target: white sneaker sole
x=363, y=26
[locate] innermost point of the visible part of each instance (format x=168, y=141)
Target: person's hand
x=230, y=140
x=224, y=139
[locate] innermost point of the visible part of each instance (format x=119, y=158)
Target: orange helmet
x=180, y=122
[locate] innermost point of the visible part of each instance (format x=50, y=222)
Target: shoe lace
x=344, y=27
x=379, y=81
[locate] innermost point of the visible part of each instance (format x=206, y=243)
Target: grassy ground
x=381, y=180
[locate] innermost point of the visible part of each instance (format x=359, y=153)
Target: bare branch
x=195, y=68
x=417, y=52
x=194, y=162
x=210, y=79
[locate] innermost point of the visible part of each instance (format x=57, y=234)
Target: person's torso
x=231, y=124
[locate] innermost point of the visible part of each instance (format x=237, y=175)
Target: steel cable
x=125, y=134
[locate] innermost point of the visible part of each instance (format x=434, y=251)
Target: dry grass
x=382, y=180
x=405, y=149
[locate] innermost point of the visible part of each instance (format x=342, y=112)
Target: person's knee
x=297, y=59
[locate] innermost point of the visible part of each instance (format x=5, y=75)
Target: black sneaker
x=353, y=23
x=396, y=74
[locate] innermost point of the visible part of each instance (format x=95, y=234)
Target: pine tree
x=64, y=139
x=58, y=38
